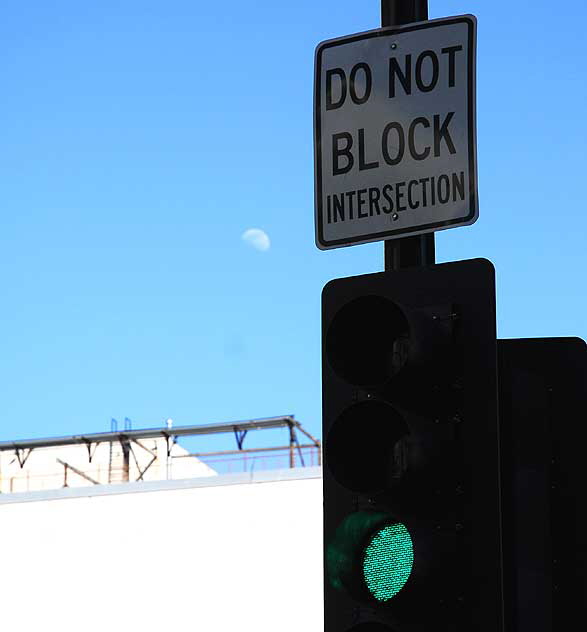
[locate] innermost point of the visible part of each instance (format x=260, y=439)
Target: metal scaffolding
x=128, y=450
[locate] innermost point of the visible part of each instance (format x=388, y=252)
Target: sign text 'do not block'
x=394, y=121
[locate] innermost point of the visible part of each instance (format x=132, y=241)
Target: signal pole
x=419, y=250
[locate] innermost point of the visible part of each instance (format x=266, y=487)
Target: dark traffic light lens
x=364, y=449
x=367, y=341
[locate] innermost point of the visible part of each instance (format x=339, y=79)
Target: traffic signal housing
x=412, y=537
x=542, y=390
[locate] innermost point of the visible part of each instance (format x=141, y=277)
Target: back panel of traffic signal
x=411, y=451
x=542, y=387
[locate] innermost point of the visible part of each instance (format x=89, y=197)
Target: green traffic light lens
x=370, y=556
x=388, y=561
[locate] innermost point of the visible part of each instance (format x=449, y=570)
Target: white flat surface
x=226, y=557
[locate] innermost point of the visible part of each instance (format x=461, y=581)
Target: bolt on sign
x=394, y=132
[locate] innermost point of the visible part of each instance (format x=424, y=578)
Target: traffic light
x=411, y=463
x=543, y=387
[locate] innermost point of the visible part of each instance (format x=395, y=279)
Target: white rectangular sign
x=394, y=132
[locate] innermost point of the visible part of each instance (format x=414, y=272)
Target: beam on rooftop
x=151, y=433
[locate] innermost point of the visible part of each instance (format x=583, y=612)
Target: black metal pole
x=419, y=250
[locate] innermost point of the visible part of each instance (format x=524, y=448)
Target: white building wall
x=194, y=555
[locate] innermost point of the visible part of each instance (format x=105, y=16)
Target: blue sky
x=140, y=139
